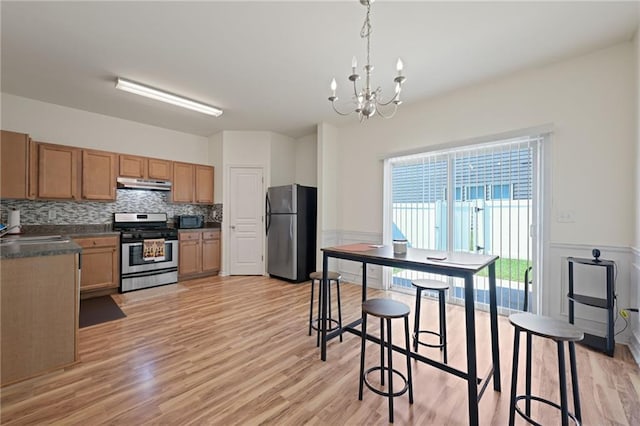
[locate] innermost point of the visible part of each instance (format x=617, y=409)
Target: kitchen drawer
x=210, y=235
x=88, y=242
x=189, y=235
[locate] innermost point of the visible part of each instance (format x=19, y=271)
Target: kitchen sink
x=41, y=239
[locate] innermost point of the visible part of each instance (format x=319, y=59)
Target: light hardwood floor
x=235, y=350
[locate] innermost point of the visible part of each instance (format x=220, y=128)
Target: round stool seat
x=546, y=327
x=385, y=308
x=330, y=275
x=430, y=284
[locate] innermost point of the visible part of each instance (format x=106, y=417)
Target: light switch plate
x=566, y=216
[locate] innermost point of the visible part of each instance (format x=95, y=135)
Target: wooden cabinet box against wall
x=16, y=167
x=38, y=315
x=192, y=183
x=99, y=263
x=57, y=171
x=144, y=168
x=99, y=175
x=199, y=253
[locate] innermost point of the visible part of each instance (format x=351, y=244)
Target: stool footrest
x=415, y=337
x=379, y=392
x=544, y=401
x=333, y=324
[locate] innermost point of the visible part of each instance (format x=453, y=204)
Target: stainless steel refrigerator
x=291, y=231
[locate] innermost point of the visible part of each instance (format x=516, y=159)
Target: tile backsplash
x=91, y=212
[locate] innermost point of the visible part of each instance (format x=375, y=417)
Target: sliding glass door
x=479, y=199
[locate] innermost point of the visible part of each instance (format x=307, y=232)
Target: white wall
x=283, y=160
x=215, y=159
x=67, y=126
x=634, y=343
x=306, y=172
x=590, y=102
x=328, y=194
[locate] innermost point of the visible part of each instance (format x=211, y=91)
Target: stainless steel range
x=149, y=250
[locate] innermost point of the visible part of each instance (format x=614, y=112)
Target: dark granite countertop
x=207, y=225
x=14, y=250
x=70, y=230
x=33, y=249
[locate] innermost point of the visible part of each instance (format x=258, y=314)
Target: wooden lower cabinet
x=199, y=253
x=189, y=255
x=100, y=273
x=211, y=251
x=39, y=315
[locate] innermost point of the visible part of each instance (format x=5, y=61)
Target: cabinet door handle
x=233, y=227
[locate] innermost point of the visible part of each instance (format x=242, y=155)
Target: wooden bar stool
x=386, y=309
x=440, y=287
x=314, y=322
x=560, y=332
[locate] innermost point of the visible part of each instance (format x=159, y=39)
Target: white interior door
x=246, y=215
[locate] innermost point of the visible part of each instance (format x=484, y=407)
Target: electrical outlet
x=52, y=214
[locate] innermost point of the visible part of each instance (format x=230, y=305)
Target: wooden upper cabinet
x=183, y=180
x=57, y=171
x=99, y=175
x=192, y=183
x=145, y=168
x=204, y=184
x=132, y=166
x=159, y=169
x=15, y=165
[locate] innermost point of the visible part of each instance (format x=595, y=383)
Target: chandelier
x=368, y=101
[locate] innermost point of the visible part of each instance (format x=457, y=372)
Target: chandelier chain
x=365, y=32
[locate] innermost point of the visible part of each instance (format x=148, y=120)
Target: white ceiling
x=268, y=64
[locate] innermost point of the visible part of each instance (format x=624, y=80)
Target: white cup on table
x=399, y=246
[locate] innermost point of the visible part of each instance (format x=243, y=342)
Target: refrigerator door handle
x=267, y=208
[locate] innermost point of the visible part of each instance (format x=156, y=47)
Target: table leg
x=493, y=313
x=472, y=368
x=364, y=281
x=323, y=316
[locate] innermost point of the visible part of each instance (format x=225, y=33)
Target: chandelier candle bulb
x=399, y=66
x=354, y=64
x=334, y=85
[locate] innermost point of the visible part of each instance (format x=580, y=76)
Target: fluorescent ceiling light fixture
x=159, y=95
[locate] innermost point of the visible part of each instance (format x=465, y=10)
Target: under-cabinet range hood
x=148, y=184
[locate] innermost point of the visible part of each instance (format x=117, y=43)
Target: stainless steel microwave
x=187, y=221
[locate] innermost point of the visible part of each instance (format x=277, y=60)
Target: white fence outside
x=501, y=227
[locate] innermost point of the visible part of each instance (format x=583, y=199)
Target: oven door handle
x=140, y=243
